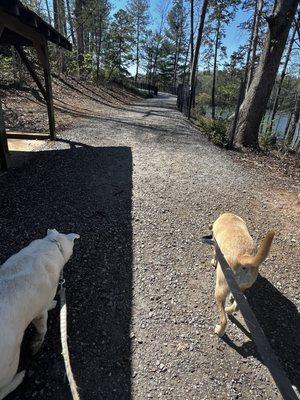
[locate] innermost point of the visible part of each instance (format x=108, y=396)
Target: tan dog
x=241, y=253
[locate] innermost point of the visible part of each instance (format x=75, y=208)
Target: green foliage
x=129, y=85
x=220, y=14
x=202, y=104
x=226, y=95
x=88, y=64
x=214, y=129
x=227, y=91
x=6, y=68
x=138, y=11
x=266, y=136
x=265, y=140
x=172, y=54
x=119, y=44
x=72, y=62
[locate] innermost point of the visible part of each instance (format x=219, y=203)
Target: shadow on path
x=280, y=321
x=85, y=190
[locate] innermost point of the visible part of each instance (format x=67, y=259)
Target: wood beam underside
x=39, y=42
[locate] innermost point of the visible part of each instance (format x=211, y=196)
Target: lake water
x=279, y=125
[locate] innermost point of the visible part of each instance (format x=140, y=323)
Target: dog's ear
x=73, y=236
x=49, y=231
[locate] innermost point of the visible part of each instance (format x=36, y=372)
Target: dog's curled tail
x=263, y=249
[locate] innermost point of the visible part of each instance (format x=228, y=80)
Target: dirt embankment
x=25, y=109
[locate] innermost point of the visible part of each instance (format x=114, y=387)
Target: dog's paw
x=219, y=330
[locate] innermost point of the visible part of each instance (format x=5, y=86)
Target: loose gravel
x=140, y=185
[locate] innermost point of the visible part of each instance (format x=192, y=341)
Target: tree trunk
x=258, y=11
x=192, y=31
x=294, y=122
x=282, y=76
x=137, y=48
x=287, y=127
x=55, y=13
x=177, y=54
x=70, y=22
x=18, y=71
x=256, y=99
x=297, y=142
x=186, y=62
x=48, y=12
x=213, y=90
x=175, y=63
x=59, y=24
x=192, y=81
x=63, y=31
x=161, y=27
x=155, y=65
x=80, y=35
x=247, y=66
x=98, y=51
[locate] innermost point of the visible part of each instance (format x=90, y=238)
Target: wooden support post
x=31, y=70
x=43, y=55
x=3, y=142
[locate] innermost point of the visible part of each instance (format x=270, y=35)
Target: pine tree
x=119, y=44
x=138, y=10
x=174, y=45
x=221, y=13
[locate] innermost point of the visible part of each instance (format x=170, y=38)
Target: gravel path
x=140, y=185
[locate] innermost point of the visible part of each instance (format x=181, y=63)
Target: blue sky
x=234, y=36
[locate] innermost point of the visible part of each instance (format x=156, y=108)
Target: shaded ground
x=140, y=186
x=25, y=109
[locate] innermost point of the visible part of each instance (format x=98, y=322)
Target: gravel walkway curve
x=140, y=185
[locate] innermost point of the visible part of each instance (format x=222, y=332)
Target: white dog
x=28, y=284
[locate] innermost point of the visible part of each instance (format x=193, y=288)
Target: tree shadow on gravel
x=86, y=190
x=280, y=321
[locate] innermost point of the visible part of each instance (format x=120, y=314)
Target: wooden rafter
x=27, y=23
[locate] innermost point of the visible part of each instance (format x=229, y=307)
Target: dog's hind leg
x=214, y=261
x=40, y=324
x=220, y=295
x=17, y=380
